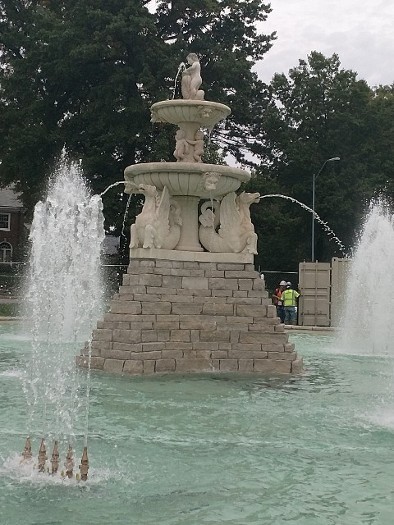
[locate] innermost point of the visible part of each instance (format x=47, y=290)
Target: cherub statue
x=182, y=146
x=198, y=144
x=191, y=79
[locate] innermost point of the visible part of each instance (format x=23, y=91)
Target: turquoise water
x=312, y=450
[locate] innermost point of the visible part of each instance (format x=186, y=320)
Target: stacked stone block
x=177, y=316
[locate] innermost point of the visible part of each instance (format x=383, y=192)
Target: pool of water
x=311, y=450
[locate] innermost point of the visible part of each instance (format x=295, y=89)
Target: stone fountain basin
x=188, y=178
x=206, y=114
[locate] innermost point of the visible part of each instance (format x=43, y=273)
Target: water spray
x=181, y=67
x=326, y=228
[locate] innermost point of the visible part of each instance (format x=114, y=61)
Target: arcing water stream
x=325, y=226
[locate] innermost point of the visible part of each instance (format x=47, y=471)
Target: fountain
x=191, y=300
x=365, y=324
x=307, y=449
x=63, y=300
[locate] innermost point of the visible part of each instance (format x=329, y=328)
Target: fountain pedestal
x=174, y=315
x=188, y=241
x=191, y=300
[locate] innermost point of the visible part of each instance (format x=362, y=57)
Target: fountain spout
x=84, y=466
x=55, y=458
x=69, y=463
x=42, y=456
x=26, y=454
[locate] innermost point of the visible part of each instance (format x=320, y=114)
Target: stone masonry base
x=177, y=316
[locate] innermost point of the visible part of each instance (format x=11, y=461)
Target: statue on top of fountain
x=191, y=79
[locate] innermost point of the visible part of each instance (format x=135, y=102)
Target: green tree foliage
x=84, y=73
x=79, y=74
x=317, y=112
x=224, y=35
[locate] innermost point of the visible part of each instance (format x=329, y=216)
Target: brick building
x=11, y=226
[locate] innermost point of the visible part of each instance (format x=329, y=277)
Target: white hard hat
x=282, y=283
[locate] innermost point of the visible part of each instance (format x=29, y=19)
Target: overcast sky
x=361, y=32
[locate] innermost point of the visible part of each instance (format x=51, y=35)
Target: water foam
x=366, y=323
x=63, y=299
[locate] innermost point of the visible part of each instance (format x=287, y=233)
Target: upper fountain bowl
x=179, y=111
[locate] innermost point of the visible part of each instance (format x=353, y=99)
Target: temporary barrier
x=314, y=285
x=322, y=287
x=340, y=269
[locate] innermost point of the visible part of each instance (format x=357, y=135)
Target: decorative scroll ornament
x=227, y=228
x=159, y=223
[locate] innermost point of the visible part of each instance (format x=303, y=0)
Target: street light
x=314, y=177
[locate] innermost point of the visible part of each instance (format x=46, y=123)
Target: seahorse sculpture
x=226, y=227
x=159, y=223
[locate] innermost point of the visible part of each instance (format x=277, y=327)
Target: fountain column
x=189, y=241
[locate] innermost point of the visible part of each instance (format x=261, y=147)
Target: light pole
x=314, y=177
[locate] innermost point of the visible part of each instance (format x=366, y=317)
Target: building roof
x=9, y=198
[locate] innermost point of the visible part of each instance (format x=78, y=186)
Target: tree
x=317, y=112
x=79, y=74
x=83, y=74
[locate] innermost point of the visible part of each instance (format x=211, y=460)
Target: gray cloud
x=360, y=33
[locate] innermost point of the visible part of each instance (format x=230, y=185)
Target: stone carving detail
x=205, y=112
x=189, y=150
x=191, y=79
x=159, y=223
x=226, y=227
x=181, y=152
x=210, y=180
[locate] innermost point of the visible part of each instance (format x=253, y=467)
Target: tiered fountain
x=191, y=300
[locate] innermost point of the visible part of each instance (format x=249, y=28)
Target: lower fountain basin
x=187, y=178
x=153, y=443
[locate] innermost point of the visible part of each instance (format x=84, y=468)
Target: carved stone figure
x=210, y=180
x=159, y=223
x=227, y=228
x=191, y=79
x=182, y=146
x=198, y=146
x=189, y=150
x=204, y=112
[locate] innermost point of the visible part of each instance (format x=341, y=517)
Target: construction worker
x=289, y=298
x=277, y=300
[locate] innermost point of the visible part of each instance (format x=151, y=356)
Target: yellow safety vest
x=289, y=297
